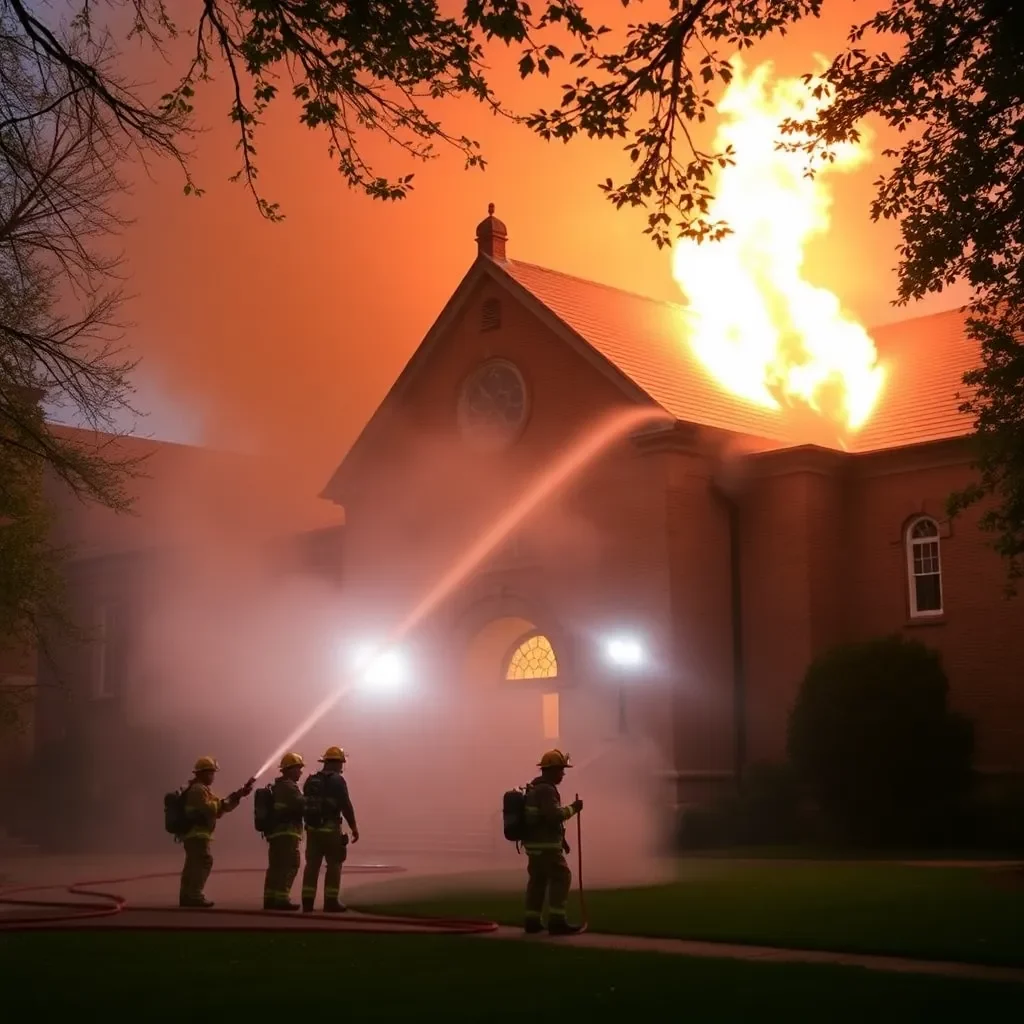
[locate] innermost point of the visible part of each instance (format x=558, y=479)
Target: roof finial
x=491, y=236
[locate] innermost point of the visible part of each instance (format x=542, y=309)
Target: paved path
x=768, y=954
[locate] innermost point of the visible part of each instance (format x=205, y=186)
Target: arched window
x=533, y=658
x=924, y=568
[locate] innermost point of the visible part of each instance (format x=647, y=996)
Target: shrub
x=708, y=827
x=764, y=813
x=994, y=820
x=872, y=737
x=768, y=806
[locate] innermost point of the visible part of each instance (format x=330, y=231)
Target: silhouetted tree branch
x=59, y=335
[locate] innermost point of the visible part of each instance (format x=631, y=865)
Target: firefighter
x=548, y=871
x=202, y=809
x=327, y=804
x=285, y=836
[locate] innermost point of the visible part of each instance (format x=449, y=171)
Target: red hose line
x=117, y=904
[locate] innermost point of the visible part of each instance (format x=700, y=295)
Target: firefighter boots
x=195, y=902
x=279, y=905
x=558, y=925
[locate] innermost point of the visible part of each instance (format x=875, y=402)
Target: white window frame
x=912, y=543
x=100, y=688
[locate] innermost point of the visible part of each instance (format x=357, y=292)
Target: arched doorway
x=513, y=656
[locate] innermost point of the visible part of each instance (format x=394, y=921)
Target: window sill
x=926, y=620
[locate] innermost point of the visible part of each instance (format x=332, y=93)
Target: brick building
x=732, y=573
x=728, y=553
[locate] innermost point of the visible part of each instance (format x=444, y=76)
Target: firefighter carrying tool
x=284, y=834
x=548, y=872
x=201, y=809
x=327, y=803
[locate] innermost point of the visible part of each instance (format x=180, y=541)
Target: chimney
x=491, y=236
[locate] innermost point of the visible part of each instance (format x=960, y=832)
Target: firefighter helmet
x=554, y=759
x=333, y=754
x=206, y=764
x=292, y=760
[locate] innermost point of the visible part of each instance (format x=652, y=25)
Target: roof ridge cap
x=600, y=284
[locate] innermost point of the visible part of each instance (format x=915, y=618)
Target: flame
x=763, y=331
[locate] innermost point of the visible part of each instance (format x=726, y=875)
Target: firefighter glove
x=577, y=805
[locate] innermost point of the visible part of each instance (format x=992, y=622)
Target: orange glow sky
x=286, y=336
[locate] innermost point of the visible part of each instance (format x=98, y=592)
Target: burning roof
x=924, y=360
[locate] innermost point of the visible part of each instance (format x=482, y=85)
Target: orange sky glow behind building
x=285, y=337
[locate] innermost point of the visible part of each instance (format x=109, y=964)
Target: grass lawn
x=926, y=912
x=118, y=975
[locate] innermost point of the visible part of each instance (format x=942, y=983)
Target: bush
x=766, y=812
x=872, y=737
x=710, y=827
x=768, y=806
x=994, y=820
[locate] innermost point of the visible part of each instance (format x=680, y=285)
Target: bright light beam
x=575, y=457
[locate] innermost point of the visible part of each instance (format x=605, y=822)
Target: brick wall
x=981, y=633
x=790, y=512
x=701, y=573
x=824, y=561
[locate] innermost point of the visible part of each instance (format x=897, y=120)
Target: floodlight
x=378, y=669
x=624, y=651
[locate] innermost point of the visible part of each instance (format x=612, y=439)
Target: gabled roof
x=925, y=359
x=641, y=343
x=645, y=340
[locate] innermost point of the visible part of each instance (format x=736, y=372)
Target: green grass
x=927, y=912
x=115, y=975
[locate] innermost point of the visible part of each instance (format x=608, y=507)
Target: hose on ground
x=76, y=913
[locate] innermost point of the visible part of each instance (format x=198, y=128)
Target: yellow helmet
x=292, y=760
x=333, y=754
x=554, y=759
x=206, y=764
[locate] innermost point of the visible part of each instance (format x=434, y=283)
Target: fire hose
x=73, y=913
x=102, y=903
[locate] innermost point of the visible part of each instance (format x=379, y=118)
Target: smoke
x=243, y=626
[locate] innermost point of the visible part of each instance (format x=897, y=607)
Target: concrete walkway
x=769, y=954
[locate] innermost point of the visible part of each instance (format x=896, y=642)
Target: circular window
x=493, y=405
